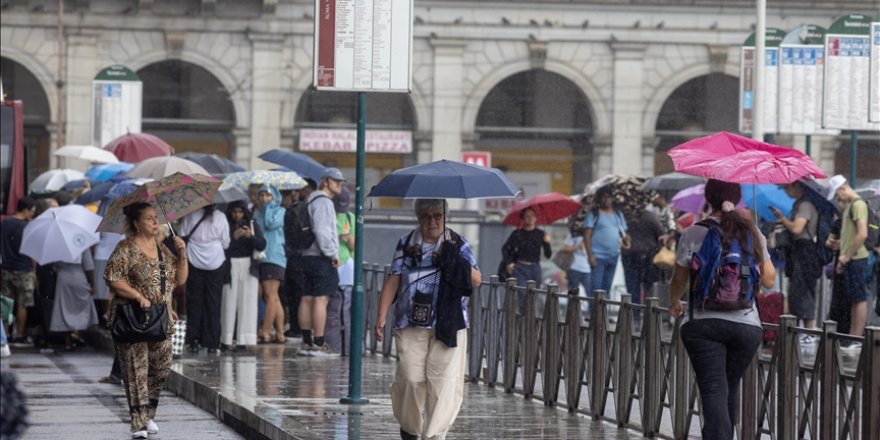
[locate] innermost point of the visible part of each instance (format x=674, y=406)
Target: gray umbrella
x=672, y=182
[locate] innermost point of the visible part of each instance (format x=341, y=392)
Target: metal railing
x=606, y=368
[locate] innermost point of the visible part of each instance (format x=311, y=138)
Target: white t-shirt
x=689, y=244
x=207, y=242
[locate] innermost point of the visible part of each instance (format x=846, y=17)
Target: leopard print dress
x=145, y=365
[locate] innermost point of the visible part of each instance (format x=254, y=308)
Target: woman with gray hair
x=433, y=271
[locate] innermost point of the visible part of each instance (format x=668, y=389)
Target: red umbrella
x=731, y=158
x=548, y=207
x=135, y=147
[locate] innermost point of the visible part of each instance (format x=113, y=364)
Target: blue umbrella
x=104, y=171
x=304, y=165
x=213, y=163
x=96, y=193
x=768, y=195
x=445, y=179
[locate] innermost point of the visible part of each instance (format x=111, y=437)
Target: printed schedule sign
x=770, y=95
x=117, y=95
x=847, y=68
x=874, y=75
x=801, y=73
x=363, y=45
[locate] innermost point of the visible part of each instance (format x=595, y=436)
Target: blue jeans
x=2, y=333
x=603, y=273
x=720, y=351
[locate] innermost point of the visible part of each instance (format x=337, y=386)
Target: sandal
x=279, y=339
x=263, y=338
x=109, y=379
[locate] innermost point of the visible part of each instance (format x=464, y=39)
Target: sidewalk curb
x=228, y=412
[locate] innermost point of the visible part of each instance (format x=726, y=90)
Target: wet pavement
x=65, y=401
x=268, y=391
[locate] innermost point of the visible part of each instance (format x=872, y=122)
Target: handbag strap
x=161, y=268
x=195, y=227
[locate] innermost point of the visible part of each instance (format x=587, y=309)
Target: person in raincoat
x=270, y=220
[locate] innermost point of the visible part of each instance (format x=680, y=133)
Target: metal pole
x=853, y=156
x=59, y=83
x=760, y=67
x=356, y=347
x=808, y=147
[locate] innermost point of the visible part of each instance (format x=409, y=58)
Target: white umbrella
x=53, y=180
x=163, y=166
x=87, y=153
x=60, y=234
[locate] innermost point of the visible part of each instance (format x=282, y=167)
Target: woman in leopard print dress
x=134, y=273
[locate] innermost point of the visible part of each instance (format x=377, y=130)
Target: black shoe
x=407, y=436
x=194, y=347
x=293, y=334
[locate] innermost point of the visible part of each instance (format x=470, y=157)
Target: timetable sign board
x=363, y=46
x=874, y=95
x=847, y=70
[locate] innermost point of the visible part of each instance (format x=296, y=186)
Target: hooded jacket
x=270, y=219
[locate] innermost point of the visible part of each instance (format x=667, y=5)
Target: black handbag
x=134, y=324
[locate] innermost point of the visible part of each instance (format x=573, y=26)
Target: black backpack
x=873, y=239
x=298, y=234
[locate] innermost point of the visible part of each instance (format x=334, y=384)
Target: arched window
x=188, y=107
x=699, y=107
x=20, y=84
x=538, y=126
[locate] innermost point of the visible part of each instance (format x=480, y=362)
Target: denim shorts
x=856, y=285
x=320, y=278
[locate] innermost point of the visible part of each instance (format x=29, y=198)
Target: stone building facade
x=559, y=92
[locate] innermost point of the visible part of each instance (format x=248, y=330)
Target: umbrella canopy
x=105, y=171
x=303, y=164
x=174, y=196
x=732, y=158
x=60, y=234
x=548, y=208
x=213, y=163
x=869, y=187
x=629, y=197
x=87, y=153
x=761, y=198
x=278, y=179
x=693, y=199
x=54, y=180
x=135, y=147
x=230, y=194
x=445, y=179
x=672, y=182
x=95, y=194
x=159, y=167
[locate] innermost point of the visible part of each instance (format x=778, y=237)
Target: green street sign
x=117, y=73
x=808, y=34
x=852, y=24
x=772, y=38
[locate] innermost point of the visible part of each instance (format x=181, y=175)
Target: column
x=627, y=108
x=267, y=95
x=448, y=99
x=82, y=65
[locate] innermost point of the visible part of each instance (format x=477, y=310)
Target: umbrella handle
x=161, y=208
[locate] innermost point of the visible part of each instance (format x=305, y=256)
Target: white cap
x=835, y=182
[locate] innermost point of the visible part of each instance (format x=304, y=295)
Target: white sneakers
x=853, y=349
x=151, y=428
x=4, y=351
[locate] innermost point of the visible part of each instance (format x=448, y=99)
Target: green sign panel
x=852, y=24
x=772, y=38
x=117, y=73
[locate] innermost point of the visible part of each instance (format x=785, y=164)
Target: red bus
x=13, y=166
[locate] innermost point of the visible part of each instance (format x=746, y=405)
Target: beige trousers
x=429, y=379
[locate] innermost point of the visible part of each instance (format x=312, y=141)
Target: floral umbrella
x=174, y=196
x=278, y=179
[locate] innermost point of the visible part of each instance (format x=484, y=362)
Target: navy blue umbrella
x=304, y=165
x=445, y=179
x=96, y=193
x=213, y=163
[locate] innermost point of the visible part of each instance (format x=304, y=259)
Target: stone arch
x=24, y=84
x=669, y=85
x=39, y=70
x=600, y=116
x=236, y=87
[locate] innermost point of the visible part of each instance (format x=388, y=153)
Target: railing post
x=598, y=324
x=371, y=295
x=653, y=372
x=624, y=370
x=509, y=338
x=476, y=332
x=681, y=397
x=529, y=353
x=550, y=361
x=573, y=351
x=493, y=334
x=786, y=379
x=828, y=385
x=389, y=326
x=870, y=359
x=749, y=395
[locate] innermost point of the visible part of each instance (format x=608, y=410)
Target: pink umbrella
x=732, y=158
x=135, y=147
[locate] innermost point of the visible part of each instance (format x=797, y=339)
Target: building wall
x=627, y=60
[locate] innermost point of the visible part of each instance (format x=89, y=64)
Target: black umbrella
x=672, y=182
x=445, y=179
x=213, y=163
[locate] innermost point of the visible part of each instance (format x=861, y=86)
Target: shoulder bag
x=134, y=324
